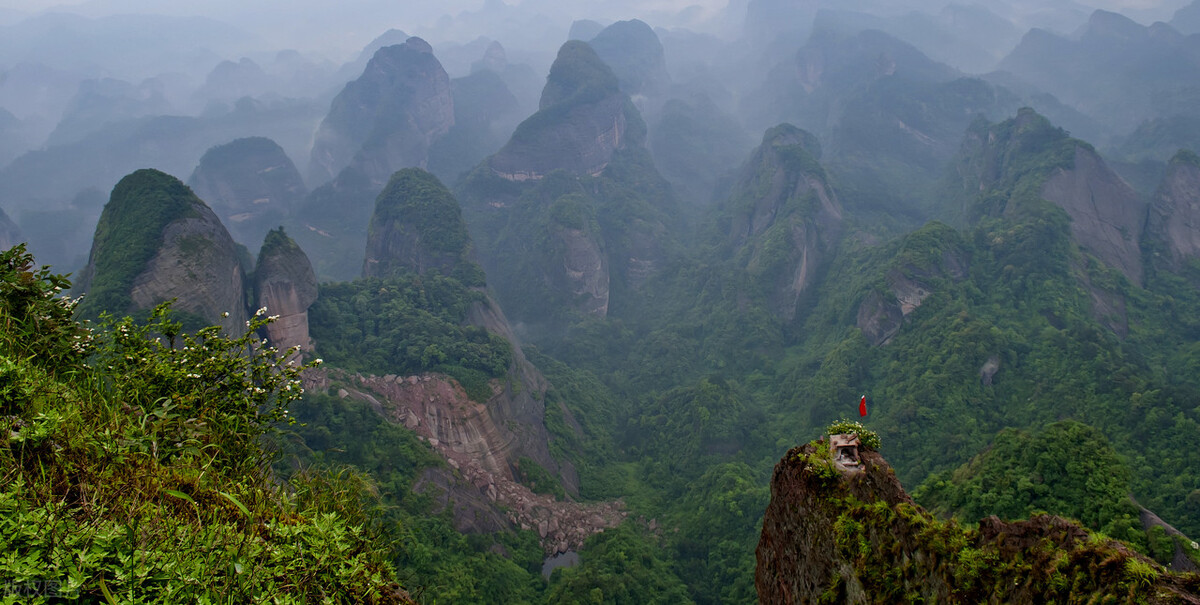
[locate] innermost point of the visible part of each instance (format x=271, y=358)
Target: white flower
x=225, y=314
x=260, y=312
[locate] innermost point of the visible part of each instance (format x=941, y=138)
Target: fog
x=92, y=90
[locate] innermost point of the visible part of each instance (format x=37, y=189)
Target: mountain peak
x=841, y=528
x=577, y=74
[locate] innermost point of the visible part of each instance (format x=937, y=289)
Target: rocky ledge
x=841, y=534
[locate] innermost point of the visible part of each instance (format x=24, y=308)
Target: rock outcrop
x=387, y=118
x=785, y=215
x=1174, y=220
x=1028, y=153
x=855, y=536
x=481, y=447
x=251, y=184
x=284, y=284
x=157, y=241
x=417, y=225
x=582, y=120
x=1107, y=216
x=911, y=279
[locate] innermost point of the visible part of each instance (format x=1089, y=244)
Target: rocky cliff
x=157, y=241
x=1001, y=164
x=785, y=217
x=1107, y=216
x=251, y=184
x=910, y=279
x=582, y=120
x=417, y=226
x=1174, y=219
x=284, y=283
x=850, y=534
x=482, y=445
x=387, y=118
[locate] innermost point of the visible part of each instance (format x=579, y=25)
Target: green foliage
x=620, y=565
x=436, y=562
x=408, y=324
x=130, y=232
x=868, y=438
x=1068, y=469
x=131, y=466
x=416, y=205
x=538, y=479
x=577, y=76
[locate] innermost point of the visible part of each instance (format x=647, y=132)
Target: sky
x=338, y=29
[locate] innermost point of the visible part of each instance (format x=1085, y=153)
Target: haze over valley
x=578, y=275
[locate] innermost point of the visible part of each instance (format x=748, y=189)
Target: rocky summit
x=285, y=285
x=387, y=118
x=583, y=118
x=840, y=529
x=156, y=241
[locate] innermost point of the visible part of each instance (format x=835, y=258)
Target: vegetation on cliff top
x=416, y=204
x=860, y=538
x=408, y=324
x=130, y=233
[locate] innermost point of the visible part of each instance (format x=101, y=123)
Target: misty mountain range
x=583, y=272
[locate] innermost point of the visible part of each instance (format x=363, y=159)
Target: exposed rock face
x=198, y=266
x=482, y=442
x=857, y=537
x=909, y=283
x=417, y=225
x=387, y=118
x=581, y=121
x=782, y=197
x=585, y=268
x=286, y=286
x=1174, y=218
x=251, y=184
x=1107, y=217
x=157, y=241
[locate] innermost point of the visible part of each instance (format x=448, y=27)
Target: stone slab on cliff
x=832, y=535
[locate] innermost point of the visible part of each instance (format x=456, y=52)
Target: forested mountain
x=551, y=354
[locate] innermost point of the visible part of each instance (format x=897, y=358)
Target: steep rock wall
x=1107, y=217
x=854, y=536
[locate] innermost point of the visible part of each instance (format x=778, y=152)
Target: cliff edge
x=843, y=532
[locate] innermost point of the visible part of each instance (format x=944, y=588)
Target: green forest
x=576, y=360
